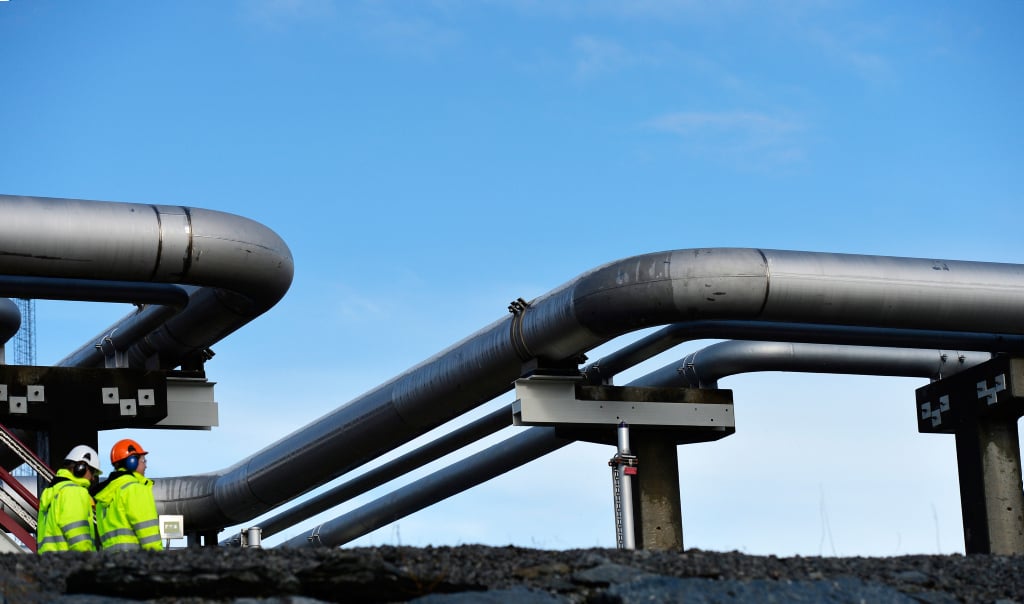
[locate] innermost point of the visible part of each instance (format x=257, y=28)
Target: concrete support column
x=665, y=418
x=991, y=490
x=981, y=406
x=658, y=509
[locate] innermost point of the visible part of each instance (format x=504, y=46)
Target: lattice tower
x=25, y=339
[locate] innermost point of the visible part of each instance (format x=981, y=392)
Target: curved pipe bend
x=606, y=368
x=241, y=267
x=705, y=367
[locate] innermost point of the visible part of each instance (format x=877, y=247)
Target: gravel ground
x=440, y=575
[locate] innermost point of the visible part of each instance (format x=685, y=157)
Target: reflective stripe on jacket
x=66, y=521
x=126, y=515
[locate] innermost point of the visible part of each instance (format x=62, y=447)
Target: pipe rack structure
x=233, y=270
x=195, y=275
x=714, y=362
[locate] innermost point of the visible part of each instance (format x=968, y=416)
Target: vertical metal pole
x=252, y=537
x=625, y=474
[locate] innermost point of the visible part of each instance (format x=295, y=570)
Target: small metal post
x=252, y=537
x=624, y=466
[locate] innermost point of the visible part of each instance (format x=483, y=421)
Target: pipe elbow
x=686, y=285
x=227, y=251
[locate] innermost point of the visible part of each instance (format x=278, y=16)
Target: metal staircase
x=19, y=508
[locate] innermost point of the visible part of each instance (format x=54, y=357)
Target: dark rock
x=472, y=573
x=608, y=574
x=843, y=590
x=912, y=576
x=516, y=595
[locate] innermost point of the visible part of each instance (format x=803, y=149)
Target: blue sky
x=428, y=162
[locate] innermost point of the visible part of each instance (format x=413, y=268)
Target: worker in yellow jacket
x=66, y=513
x=126, y=515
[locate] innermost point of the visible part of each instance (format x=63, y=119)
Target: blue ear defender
x=131, y=463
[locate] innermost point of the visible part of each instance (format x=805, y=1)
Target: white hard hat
x=86, y=454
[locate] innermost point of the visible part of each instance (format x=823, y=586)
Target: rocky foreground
x=441, y=575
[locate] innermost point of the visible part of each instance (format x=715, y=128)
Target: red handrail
x=15, y=484
x=25, y=454
x=11, y=525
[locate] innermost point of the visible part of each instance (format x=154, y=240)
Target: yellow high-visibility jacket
x=66, y=520
x=126, y=515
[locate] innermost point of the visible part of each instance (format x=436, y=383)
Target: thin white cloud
x=413, y=36
x=743, y=121
x=871, y=66
x=385, y=24
x=757, y=139
x=350, y=306
x=596, y=56
x=280, y=13
x=854, y=45
x=637, y=10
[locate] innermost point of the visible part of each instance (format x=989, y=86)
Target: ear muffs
x=131, y=463
x=79, y=470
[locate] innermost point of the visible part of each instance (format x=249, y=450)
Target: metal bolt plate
x=18, y=404
x=128, y=407
x=110, y=396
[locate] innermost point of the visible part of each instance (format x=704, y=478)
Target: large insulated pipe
x=605, y=368
x=460, y=476
x=375, y=477
x=705, y=367
x=614, y=299
x=243, y=268
x=721, y=360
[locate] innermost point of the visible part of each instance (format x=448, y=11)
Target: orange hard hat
x=125, y=448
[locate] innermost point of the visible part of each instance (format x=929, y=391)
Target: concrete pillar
x=991, y=490
x=981, y=406
x=658, y=514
